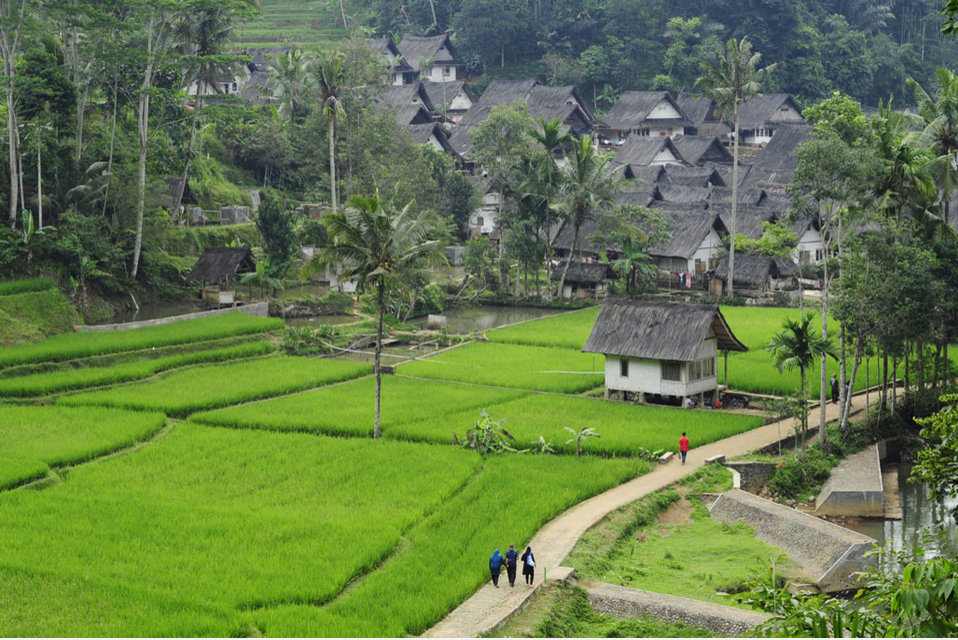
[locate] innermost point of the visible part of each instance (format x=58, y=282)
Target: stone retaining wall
x=753, y=475
x=623, y=602
x=854, y=487
x=260, y=310
x=828, y=553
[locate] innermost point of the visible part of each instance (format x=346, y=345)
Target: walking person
x=834, y=383
x=683, y=446
x=529, y=566
x=495, y=566
x=512, y=563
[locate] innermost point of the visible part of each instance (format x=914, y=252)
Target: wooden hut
x=756, y=276
x=661, y=350
x=584, y=280
x=217, y=268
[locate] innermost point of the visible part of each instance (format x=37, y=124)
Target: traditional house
x=661, y=351
x=775, y=165
x=704, y=115
x=432, y=134
x=643, y=113
x=583, y=280
x=450, y=99
x=706, y=176
x=433, y=58
x=216, y=270
x=412, y=114
x=696, y=241
x=406, y=95
x=398, y=70
x=643, y=151
x=699, y=150
x=760, y=116
x=757, y=277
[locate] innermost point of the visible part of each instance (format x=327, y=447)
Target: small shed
x=217, y=268
x=756, y=276
x=584, y=280
x=661, y=350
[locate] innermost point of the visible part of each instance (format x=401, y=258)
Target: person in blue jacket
x=495, y=566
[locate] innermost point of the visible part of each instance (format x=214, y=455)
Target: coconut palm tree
x=939, y=113
x=291, y=77
x=329, y=83
x=729, y=82
x=588, y=186
x=379, y=247
x=798, y=346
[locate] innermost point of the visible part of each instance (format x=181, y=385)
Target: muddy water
x=462, y=320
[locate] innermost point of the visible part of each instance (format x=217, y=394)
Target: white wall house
x=809, y=248
x=660, y=350
x=483, y=220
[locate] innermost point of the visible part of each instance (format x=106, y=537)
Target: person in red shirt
x=683, y=446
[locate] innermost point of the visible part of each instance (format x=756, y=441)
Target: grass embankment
x=562, y=610
x=80, y=345
x=32, y=310
x=46, y=383
x=212, y=386
x=519, y=367
x=569, y=330
x=688, y=555
x=33, y=439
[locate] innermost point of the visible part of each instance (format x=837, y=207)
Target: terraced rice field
x=250, y=518
x=303, y=24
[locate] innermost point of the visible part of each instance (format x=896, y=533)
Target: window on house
x=818, y=255
x=671, y=371
x=480, y=222
x=445, y=71
x=624, y=368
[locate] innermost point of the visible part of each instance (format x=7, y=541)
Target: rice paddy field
x=299, y=23
x=269, y=510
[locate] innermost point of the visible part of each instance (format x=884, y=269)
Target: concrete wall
x=753, y=475
x=623, y=602
x=260, y=310
x=828, y=553
x=854, y=487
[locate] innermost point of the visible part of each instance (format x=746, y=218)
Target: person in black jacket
x=512, y=562
x=529, y=566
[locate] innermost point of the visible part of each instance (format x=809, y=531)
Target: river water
x=919, y=512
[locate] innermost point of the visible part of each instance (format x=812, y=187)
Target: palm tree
x=330, y=86
x=939, y=113
x=291, y=78
x=542, y=181
x=378, y=247
x=798, y=346
x=729, y=82
x=588, y=185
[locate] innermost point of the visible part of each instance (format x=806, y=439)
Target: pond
x=154, y=311
x=462, y=320
x=919, y=512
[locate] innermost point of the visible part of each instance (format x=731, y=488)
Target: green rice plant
x=446, y=558
x=218, y=524
x=58, y=381
x=624, y=428
x=79, y=345
x=32, y=439
x=505, y=365
x=211, y=386
x=26, y=286
x=755, y=370
x=347, y=409
x=569, y=330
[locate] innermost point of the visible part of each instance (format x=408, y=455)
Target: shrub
x=26, y=286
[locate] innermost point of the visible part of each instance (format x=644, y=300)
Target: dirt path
x=488, y=608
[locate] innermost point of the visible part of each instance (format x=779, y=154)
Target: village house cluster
x=674, y=149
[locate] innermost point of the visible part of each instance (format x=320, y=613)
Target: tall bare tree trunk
x=565, y=269
x=39, y=179
x=731, y=251
x=824, y=386
x=11, y=26
x=332, y=162
x=381, y=300
x=142, y=124
x=181, y=188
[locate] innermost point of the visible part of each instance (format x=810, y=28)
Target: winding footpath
x=489, y=608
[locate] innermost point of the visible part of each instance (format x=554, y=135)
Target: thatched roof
x=633, y=108
x=681, y=175
x=649, y=174
x=642, y=150
x=698, y=109
x=760, y=110
x=415, y=49
x=412, y=114
x=583, y=273
x=778, y=157
x=387, y=48
x=658, y=330
x=262, y=56
x=444, y=92
x=399, y=96
x=222, y=264
x=424, y=134
x=689, y=231
x=684, y=195
x=169, y=194
x=698, y=150
x=543, y=96
x=258, y=88
x=754, y=271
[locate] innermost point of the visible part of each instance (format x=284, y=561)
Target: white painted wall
x=663, y=110
x=708, y=249
x=484, y=218
x=786, y=113
x=441, y=73
x=460, y=102
x=811, y=241
x=665, y=156
x=645, y=376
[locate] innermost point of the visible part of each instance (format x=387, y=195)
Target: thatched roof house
x=761, y=115
x=704, y=115
x=645, y=150
x=756, y=276
x=400, y=72
x=697, y=150
x=584, y=280
x=661, y=349
x=433, y=58
x=456, y=97
x=220, y=265
x=644, y=113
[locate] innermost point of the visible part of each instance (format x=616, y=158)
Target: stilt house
x=216, y=270
x=661, y=351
